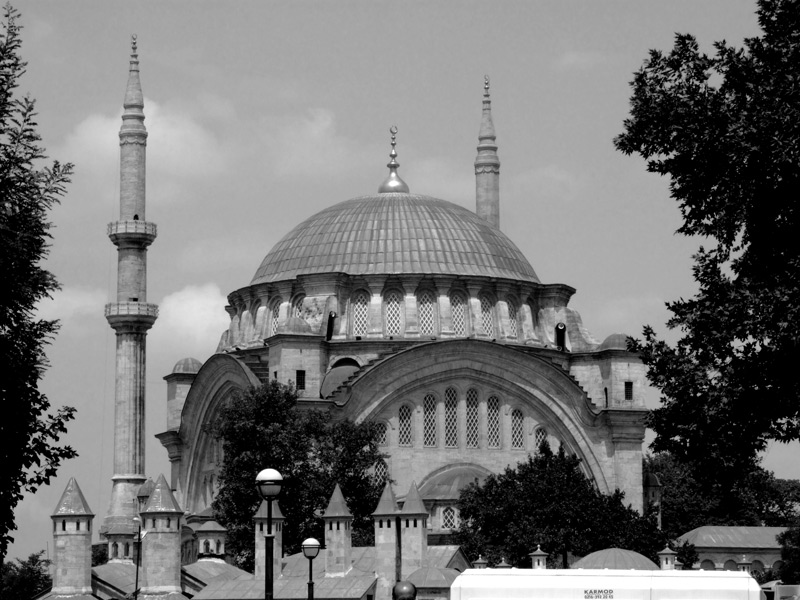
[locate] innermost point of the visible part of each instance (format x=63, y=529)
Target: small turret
x=338, y=531
x=161, y=541
x=386, y=532
x=414, y=532
x=72, y=543
x=261, y=546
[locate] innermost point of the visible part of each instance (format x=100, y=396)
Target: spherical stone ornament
x=404, y=590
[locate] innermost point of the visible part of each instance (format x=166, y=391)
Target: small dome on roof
x=448, y=483
x=616, y=558
x=433, y=577
x=616, y=341
x=187, y=365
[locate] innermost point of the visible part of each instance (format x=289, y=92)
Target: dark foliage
x=29, y=452
x=263, y=428
x=23, y=579
x=548, y=500
x=725, y=129
x=790, y=554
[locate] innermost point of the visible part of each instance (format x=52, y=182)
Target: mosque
x=396, y=307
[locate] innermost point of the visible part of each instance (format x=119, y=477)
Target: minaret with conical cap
x=487, y=166
x=130, y=316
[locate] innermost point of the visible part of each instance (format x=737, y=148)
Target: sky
x=260, y=114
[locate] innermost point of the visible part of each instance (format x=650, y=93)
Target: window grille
x=448, y=518
x=297, y=307
x=517, y=430
x=539, y=437
x=486, y=316
x=425, y=312
x=381, y=471
x=404, y=429
x=300, y=378
x=458, y=306
x=276, y=316
x=493, y=422
x=628, y=390
x=472, y=418
x=360, y=313
x=393, y=318
x=429, y=420
x=512, y=318
x=450, y=418
x=383, y=432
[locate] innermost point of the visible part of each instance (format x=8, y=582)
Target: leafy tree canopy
x=24, y=579
x=790, y=554
x=548, y=500
x=29, y=452
x=725, y=129
x=264, y=428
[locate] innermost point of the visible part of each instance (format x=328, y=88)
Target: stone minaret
x=72, y=544
x=487, y=166
x=130, y=316
x=261, y=545
x=413, y=532
x=386, y=543
x=338, y=541
x=161, y=542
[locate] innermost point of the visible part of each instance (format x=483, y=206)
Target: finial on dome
x=486, y=85
x=133, y=44
x=393, y=183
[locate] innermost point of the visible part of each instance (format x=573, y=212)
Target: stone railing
x=143, y=227
x=131, y=309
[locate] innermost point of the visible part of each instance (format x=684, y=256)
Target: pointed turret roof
x=387, y=505
x=261, y=513
x=337, y=507
x=413, y=504
x=133, y=92
x=486, y=135
x=146, y=488
x=72, y=502
x=161, y=499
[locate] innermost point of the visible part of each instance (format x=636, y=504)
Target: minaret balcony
x=132, y=232
x=140, y=314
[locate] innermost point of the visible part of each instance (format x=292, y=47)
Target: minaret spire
x=487, y=165
x=393, y=183
x=130, y=316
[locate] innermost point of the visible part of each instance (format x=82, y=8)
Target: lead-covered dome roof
x=394, y=233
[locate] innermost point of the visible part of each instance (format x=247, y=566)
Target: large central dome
x=394, y=233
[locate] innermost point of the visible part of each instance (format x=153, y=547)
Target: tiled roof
x=208, y=570
x=721, y=536
x=387, y=505
x=72, y=502
x=393, y=234
x=120, y=575
x=161, y=499
x=290, y=588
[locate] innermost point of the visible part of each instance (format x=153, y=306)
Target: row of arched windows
x=448, y=423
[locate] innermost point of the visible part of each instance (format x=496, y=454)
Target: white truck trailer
x=603, y=584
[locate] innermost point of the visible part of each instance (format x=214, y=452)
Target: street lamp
x=268, y=484
x=310, y=551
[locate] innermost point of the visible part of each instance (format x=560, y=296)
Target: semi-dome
x=616, y=558
x=394, y=233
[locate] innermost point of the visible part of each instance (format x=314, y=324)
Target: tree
x=725, y=128
x=548, y=500
x=24, y=579
x=30, y=452
x=790, y=554
x=263, y=427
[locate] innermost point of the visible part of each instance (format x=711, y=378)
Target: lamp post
x=310, y=551
x=138, y=522
x=268, y=484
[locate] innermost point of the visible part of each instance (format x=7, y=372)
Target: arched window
x=517, y=430
x=360, y=313
x=730, y=565
x=275, y=317
x=458, y=307
x=448, y=518
x=404, y=428
x=493, y=422
x=708, y=565
x=169, y=522
x=381, y=471
x=206, y=547
x=393, y=317
x=450, y=418
x=487, y=315
x=63, y=524
x=512, y=317
x=427, y=325
x=383, y=432
x=127, y=549
x=297, y=306
x=429, y=421
x=472, y=418
x=114, y=550
x=219, y=547
x=77, y=525
x=538, y=437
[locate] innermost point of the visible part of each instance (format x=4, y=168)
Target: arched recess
x=220, y=376
x=535, y=383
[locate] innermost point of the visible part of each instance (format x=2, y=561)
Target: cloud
x=551, y=183
x=72, y=303
x=578, y=61
x=190, y=323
